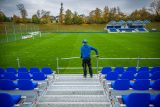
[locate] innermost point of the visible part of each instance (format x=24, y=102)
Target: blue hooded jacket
x=86, y=51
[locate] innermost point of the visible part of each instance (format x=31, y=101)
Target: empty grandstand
x=127, y=26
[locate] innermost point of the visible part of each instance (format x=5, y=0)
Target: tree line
x=96, y=16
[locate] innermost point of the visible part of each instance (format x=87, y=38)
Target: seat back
x=138, y=100
x=22, y=69
x=131, y=69
x=144, y=68
x=112, y=76
x=121, y=84
x=154, y=69
x=10, y=69
x=25, y=85
x=106, y=70
x=155, y=75
x=119, y=70
x=39, y=76
x=34, y=69
x=142, y=75
x=127, y=75
x=141, y=84
x=6, y=100
x=24, y=75
x=47, y=70
x=7, y=85
x=10, y=75
x=2, y=70
x=156, y=101
x=156, y=85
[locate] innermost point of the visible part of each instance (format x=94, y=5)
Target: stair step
x=74, y=98
x=80, y=87
x=73, y=104
x=75, y=92
x=76, y=83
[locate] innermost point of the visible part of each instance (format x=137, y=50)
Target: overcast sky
x=81, y=6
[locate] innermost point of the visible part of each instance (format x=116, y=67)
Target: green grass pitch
x=41, y=52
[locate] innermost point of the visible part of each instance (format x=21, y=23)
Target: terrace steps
x=72, y=90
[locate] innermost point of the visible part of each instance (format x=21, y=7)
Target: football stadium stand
x=111, y=87
x=128, y=26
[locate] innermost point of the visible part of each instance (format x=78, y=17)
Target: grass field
x=43, y=51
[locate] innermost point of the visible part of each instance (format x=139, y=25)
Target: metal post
x=57, y=65
x=21, y=30
x=18, y=62
x=138, y=61
x=6, y=33
x=97, y=64
x=14, y=32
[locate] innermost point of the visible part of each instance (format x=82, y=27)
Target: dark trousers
x=87, y=62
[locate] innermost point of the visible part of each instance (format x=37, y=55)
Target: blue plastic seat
x=154, y=69
x=106, y=70
x=121, y=84
x=144, y=68
x=10, y=69
x=155, y=100
x=127, y=75
x=24, y=75
x=112, y=76
x=142, y=75
x=26, y=85
x=155, y=85
x=10, y=75
x=136, y=100
x=155, y=75
x=47, y=70
x=8, y=100
x=7, y=85
x=2, y=70
x=141, y=84
x=39, y=76
x=119, y=70
x=131, y=69
x=34, y=70
x=22, y=69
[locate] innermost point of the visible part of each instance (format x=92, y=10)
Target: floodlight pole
x=18, y=62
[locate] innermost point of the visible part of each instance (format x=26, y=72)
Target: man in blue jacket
x=86, y=57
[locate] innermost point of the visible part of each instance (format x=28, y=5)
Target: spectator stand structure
x=127, y=26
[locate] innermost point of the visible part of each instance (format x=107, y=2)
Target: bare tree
x=22, y=10
x=155, y=7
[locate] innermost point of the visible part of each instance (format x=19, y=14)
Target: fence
x=97, y=67
x=12, y=32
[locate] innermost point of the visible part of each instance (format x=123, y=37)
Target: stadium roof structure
x=122, y=22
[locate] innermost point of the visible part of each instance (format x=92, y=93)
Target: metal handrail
x=98, y=59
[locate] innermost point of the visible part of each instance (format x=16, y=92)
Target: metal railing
x=138, y=59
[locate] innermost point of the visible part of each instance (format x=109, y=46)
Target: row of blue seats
x=142, y=84
x=8, y=100
x=45, y=70
x=132, y=76
x=120, y=70
x=139, y=100
x=20, y=84
x=24, y=75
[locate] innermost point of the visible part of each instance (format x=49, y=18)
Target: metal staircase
x=72, y=90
